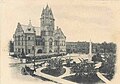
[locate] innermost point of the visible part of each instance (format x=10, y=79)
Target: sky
x=80, y=20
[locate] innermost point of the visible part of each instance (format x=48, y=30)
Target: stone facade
x=77, y=47
x=44, y=39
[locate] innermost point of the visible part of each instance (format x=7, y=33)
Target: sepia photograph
x=59, y=41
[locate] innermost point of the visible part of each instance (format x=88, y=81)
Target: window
x=15, y=42
x=50, y=43
x=28, y=38
x=50, y=33
x=50, y=14
x=43, y=42
x=37, y=42
x=18, y=50
x=22, y=50
x=22, y=41
x=33, y=38
x=43, y=21
x=29, y=29
x=19, y=38
x=43, y=33
x=18, y=42
x=50, y=51
x=55, y=43
x=28, y=50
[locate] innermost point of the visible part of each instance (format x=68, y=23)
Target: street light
x=58, y=46
x=33, y=48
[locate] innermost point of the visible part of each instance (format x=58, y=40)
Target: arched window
x=50, y=51
x=55, y=43
x=18, y=37
x=50, y=43
x=22, y=41
x=43, y=42
x=19, y=40
x=39, y=51
x=36, y=42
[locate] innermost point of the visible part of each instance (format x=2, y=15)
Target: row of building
x=83, y=47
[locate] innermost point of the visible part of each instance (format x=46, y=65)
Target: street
x=11, y=70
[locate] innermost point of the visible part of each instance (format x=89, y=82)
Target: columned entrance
x=39, y=51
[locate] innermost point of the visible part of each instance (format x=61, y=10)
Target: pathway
x=67, y=73
x=103, y=78
x=56, y=79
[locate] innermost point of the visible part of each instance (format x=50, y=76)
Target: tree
x=108, y=66
x=84, y=69
x=55, y=63
x=97, y=57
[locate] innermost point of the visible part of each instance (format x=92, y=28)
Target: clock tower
x=47, y=29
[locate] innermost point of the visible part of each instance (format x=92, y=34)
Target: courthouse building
x=46, y=39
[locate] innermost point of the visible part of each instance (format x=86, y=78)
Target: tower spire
x=47, y=18
x=47, y=7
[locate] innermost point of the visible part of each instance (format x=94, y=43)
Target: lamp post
x=58, y=45
x=33, y=48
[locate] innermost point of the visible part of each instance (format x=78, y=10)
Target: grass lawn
x=85, y=80
x=54, y=72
